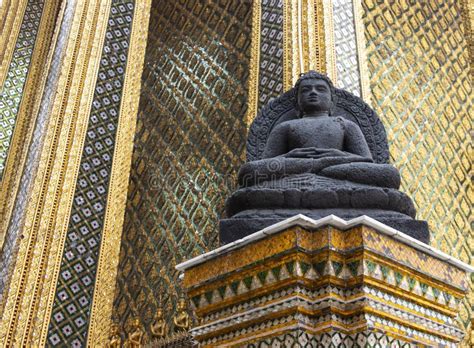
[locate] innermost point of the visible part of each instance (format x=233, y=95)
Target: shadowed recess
x=189, y=142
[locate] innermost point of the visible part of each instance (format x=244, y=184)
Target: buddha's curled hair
x=314, y=75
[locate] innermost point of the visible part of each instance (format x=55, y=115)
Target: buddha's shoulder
x=298, y=122
x=346, y=122
x=283, y=126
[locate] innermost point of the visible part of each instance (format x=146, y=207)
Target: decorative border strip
x=287, y=45
x=329, y=40
x=316, y=273
x=348, y=308
x=102, y=304
x=20, y=108
x=328, y=292
x=271, y=51
x=14, y=216
x=319, y=52
x=361, y=51
x=324, y=324
x=31, y=279
x=253, y=81
x=39, y=56
x=71, y=309
x=86, y=46
x=345, y=41
x=15, y=13
x=304, y=39
x=92, y=22
x=17, y=73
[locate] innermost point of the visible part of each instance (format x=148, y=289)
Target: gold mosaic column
x=189, y=142
x=28, y=30
x=60, y=290
x=288, y=38
x=326, y=282
x=420, y=74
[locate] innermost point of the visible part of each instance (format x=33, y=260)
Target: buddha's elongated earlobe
x=297, y=107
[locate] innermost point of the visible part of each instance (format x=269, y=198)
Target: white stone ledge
x=306, y=222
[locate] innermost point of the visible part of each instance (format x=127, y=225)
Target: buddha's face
x=314, y=95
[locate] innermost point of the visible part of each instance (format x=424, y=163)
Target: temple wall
x=78, y=115
x=421, y=86
x=189, y=143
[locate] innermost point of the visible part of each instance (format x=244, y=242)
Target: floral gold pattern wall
x=418, y=62
x=189, y=142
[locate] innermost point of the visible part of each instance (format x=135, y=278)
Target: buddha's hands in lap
x=315, y=153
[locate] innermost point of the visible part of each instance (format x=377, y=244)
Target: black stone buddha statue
x=317, y=151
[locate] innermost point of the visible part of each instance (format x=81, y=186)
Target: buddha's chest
x=327, y=133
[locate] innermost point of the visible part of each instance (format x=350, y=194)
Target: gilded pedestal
x=328, y=282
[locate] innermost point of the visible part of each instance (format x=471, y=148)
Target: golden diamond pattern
x=418, y=62
x=189, y=142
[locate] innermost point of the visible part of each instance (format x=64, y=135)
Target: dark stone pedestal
x=251, y=221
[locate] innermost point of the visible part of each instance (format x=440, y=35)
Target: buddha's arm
x=276, y=143
x=354, y=140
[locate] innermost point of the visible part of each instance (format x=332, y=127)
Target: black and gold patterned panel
x=270, y=83
x=189, y=143
x=418, y=61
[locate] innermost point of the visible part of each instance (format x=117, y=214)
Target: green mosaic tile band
x=189, y=142
x=12, y=91
x=419, y=73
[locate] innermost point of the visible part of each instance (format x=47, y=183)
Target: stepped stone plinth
x=327, y=281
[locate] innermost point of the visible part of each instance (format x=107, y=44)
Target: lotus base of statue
x=251, y=221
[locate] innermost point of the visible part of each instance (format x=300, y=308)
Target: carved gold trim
x=287, y=53
x=301, y=21
x=28, y=111
x=84, y=78
x=294, y=40
x=101, y=311
x=10, y=32
x=303, y=39
x=254, y=63
x=5, y=6
x=330, y=46
x=79, y=98
x=320, y=37
x=32, y=279
x=361, y=51
x=313, y=45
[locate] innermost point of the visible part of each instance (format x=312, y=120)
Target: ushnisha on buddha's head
x=314, y=94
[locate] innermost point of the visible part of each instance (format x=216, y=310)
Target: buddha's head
x=314, y=93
